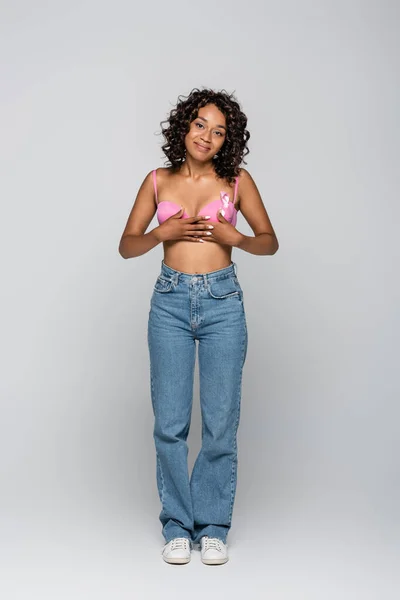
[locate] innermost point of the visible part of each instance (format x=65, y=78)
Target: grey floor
x=287, y=555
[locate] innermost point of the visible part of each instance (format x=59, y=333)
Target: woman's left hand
x=222, y=232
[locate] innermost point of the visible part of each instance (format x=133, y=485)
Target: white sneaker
x=177, y=551
x=213, y=551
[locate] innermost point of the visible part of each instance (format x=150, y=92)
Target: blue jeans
x=186, y=307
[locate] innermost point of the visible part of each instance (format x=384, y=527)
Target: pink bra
x=166, y=209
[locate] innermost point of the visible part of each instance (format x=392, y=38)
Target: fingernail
x=208, y=217
x=200, y=240
x=210, y=226
x=208, y=232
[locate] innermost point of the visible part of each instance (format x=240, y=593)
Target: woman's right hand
x=191, y=229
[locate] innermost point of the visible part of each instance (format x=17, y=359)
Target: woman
x=197, y=296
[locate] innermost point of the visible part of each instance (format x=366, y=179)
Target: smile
x=202, y=148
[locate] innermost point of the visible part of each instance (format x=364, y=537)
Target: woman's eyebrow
x=221, y=126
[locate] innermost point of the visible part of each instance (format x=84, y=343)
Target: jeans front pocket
x=163, y=284
x=224, y=288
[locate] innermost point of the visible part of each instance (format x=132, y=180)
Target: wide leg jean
x=209, y=308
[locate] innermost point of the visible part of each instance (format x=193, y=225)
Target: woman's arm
x=253, y=210
x=134, y=241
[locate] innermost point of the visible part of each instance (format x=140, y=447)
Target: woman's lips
x=202, y=148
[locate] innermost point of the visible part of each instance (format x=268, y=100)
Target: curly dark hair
x=234, y=147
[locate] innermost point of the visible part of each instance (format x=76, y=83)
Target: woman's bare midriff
x=196, y=257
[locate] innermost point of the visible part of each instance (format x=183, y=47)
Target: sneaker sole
x=214, y=561
x=176, y=561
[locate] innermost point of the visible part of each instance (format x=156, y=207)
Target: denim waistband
x=230, y=270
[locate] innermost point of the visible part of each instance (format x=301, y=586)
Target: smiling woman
x=197, y=297
x=211, y=123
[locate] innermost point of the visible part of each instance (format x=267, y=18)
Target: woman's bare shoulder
x=163, y=172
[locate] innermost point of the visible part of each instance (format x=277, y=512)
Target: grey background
x=84, y=87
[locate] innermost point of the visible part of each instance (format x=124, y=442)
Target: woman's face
x=206, y=134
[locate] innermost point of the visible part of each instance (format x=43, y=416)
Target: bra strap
x=236, y=189
x=155, y=184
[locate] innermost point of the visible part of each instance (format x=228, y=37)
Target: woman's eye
x=201, y=125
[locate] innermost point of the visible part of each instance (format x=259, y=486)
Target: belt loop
x=235, y=268
x=205, y=280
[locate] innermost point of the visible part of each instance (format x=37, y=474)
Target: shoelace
x=212, y=543
x=179, y=543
